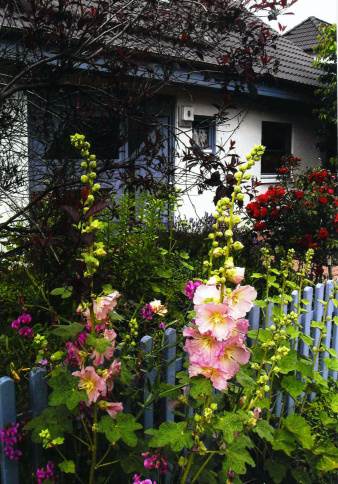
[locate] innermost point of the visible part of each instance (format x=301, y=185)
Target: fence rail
x=38, y=382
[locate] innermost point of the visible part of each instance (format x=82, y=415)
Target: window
x=276, y=137
x=203, y=133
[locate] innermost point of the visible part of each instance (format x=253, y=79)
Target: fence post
x=148, y=419
x=9, y=468
x=306, y=319
x=327, y=341
x=169, y=354
x=38, y=393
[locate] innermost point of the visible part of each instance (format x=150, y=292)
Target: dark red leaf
x=72, y=212
x=97, y=208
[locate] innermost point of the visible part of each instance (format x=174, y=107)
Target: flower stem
x=94, y=448
x=203, y=466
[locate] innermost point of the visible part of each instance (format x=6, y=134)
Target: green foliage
x=176, y=435
x=65, y=390
x=123, y=427
x=56, y=419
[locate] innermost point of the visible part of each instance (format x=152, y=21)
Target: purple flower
x=147, y=312
x=43, y=474
x=26, y=331
x=161, y=325
x=22, y=320
x=10, y=436
x=190, y=288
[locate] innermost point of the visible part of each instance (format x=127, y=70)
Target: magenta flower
x=11, y=436
x=190, y=288
x=214, y=317
x=138, y=481
x=26, y=331
x=147, y=312
x=43, y=474
x=91, y=382
x=161, y=325
x=156, y=461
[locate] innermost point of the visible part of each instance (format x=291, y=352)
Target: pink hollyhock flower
x=201, y=346
x=242, y=326
x=98, y=358
x=257, y=412
x=214, y=318
x=190, y=288
x=113, y=371
x=217, y=376
x=105, y=304
x=235, y=275
x=91, y=382
x=234, y=354
x=241, y=301
x=112, y=408
x=211, y=293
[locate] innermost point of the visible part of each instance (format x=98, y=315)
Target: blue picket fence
x=171, y=365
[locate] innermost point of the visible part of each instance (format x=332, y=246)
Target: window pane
x=276, y=137
x=201, y=131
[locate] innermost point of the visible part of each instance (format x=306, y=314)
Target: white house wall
x=245, y=128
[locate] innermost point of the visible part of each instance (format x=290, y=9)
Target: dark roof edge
x=303, y=21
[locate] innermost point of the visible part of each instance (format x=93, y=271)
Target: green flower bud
x=240, y=197
x=238, y=246
x=84, y=179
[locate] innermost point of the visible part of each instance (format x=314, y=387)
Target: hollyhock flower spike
x=98, y=358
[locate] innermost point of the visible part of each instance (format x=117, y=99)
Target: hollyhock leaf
x=292, y=332
x=123, y=427
x=133, y=460
x=237, y=456
x=277, y=467
x=65, y=390
x=260, y=303
x=319, y=325
x=332, y=352
x=288, y=362
x=301, y=476
x=175, y=434
x=115, y=317
x=264, y=335
x=252, y=333
x=328, y=459
x=125, y=375
x=264, y=430
x=183, y=376
x=57, y=420
x=306, y=339
x=229, y=423
x=298, y=426
x=293, y=386
x=331, y=363
x=245, y=380
x=62, y=291
x=199, y=386
x=304, y=367
x=67, y=466
x=284, y=441
x=256, y=275
x=68, y=332
x=184, y=255
x=100, y=344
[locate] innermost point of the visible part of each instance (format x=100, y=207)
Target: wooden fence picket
x=9, y=468
x=148, y=416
